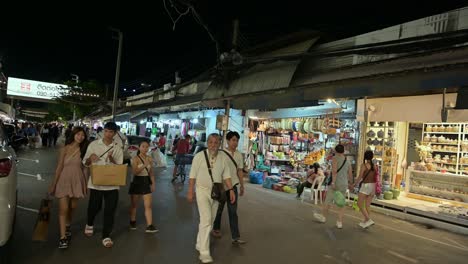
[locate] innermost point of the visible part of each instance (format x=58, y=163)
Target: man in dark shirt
x=182, y=147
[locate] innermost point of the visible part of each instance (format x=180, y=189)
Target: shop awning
x=418, y=74
x=261, y=77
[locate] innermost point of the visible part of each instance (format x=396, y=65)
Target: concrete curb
x=422, y=220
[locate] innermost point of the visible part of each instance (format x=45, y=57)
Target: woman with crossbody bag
x=142, y=185
x=367, y=186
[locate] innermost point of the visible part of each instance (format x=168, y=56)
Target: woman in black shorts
x=142, y=185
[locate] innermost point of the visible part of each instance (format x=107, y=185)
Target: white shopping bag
x=159, y=158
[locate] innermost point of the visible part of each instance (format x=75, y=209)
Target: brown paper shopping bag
x=109, y=175
x=41, y=229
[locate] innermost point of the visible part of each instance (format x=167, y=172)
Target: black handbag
x=217, y=191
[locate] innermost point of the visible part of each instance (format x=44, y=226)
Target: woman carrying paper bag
x=103, y=152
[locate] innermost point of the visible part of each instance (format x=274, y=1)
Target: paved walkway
x=278, y=228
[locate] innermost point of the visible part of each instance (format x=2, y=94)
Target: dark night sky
x=46, y=44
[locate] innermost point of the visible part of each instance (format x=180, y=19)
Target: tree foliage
x=63, y=109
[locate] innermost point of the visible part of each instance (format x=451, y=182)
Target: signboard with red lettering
x=34, y=89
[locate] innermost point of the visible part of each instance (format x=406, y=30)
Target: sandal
x=107, y=242
x=89, y=231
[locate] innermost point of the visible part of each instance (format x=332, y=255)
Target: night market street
x=278, y=228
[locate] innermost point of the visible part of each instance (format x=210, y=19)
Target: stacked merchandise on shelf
x=449, y=145
x=381, y=138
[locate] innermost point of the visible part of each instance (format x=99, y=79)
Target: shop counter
x=444, y=188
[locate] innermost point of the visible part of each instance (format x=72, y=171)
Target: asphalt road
x=278, y=228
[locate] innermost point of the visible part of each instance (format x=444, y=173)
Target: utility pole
x=76, y=78
x=117, y=72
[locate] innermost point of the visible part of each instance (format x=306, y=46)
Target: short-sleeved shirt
x=183, y=147
x=162, y=142
x=232, y=167
x=98, y=147
x=199, y=170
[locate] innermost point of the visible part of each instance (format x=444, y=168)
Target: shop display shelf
x=451, y=144
x=454, y=171
x=448, y=133
x=445, y=151
x=278, y=159
x=448, y=163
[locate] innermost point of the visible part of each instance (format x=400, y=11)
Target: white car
x=8, y=191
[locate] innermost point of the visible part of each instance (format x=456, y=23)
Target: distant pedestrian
x=69, y=183
x=342, y=175
x=162, y=143
x=45, y=135
x=181, y=149
x=208, y=167
x=103, y=152
x=367, y=183
x=54, y=131
x=68, y=131
x=143, y=184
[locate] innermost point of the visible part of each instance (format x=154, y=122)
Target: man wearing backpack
x=235, y=166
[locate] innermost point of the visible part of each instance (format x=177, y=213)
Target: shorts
x=140, y=185
x=367, y=189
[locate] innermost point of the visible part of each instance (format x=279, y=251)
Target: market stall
x=437, y=172
x=285, y=148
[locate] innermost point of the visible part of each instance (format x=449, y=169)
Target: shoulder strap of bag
x=230, y=157
x=344, y=161
x=208, y=165
x=106, y=151
x=365, y=176
x=143, y=163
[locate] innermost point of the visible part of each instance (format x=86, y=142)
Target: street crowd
x=216, y=181
x=211, y=166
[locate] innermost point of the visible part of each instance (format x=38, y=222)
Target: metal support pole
x=227, y=111
x=117, y=73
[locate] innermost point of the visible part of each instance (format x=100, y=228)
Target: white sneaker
x=206, y=259
x=362, y=224
x=368, y=223
x=339, y=225
x=320, y=218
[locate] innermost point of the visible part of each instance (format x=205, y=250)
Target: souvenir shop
x=284, y=143
x=423, y=162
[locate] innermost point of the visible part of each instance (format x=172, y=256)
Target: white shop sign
x=34, y=89
x=425, y=108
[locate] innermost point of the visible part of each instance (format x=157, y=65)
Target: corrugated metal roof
x=418, y=62
x=261, y=77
